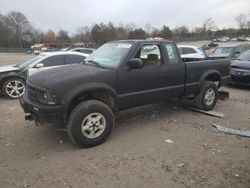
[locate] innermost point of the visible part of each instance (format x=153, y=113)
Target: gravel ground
x=136, y=154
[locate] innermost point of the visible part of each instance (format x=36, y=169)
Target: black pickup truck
x=119, y=75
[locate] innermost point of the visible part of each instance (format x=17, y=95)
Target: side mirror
x=236, y=53
x=39, y=65
x=135, y=63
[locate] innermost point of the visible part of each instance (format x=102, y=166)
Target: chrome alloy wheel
x=93, y=125
x=209, y=96
x=15, y=88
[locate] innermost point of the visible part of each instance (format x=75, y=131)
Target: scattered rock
x=13, y=108
x=180, y=165
x=61, y=142
x=7, y=144
x=192, y=181
x=169, y=141
x=174, y=120
x=25, y=184
x=237, y=175
x=167, y=168
x=26, y=126
x=217, y=150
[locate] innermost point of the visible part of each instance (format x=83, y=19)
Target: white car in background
x=191, y=53
x=49, y=60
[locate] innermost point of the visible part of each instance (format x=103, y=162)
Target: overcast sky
x=70, y=14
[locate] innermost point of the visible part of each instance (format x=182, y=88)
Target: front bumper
x=41, y=112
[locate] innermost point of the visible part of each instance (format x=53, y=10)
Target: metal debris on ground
x=211, y=113
x=223, y=95
x=169, y=141
x=231, y=130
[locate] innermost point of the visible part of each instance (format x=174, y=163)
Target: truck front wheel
x=90, y=123
x=207, y=97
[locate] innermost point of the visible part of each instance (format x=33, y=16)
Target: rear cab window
x=172, y=53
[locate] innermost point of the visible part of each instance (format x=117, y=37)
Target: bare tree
x=208, y=25
x=241, y=20
x=148, y=29
x=19, y=26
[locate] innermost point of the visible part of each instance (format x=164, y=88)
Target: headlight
x=47, y=97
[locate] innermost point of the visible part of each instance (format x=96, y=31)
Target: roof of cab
x=133, y=41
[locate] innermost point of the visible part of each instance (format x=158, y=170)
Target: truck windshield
x=222, y=52
x=109, y=54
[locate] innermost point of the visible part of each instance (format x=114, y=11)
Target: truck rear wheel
x=207, y=97
x=90, y=123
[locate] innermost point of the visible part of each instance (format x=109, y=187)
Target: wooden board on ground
x=211, y=113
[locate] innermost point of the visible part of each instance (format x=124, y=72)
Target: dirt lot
x=135, y=155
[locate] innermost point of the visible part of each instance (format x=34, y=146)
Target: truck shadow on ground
x=137, y=116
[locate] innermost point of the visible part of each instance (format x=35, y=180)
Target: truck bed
x=197, y=71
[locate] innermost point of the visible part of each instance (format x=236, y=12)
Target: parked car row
x=229, y=51
x=226, y=39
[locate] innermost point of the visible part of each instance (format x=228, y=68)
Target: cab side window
x=172, y=53
x=53, y=61
x=150, y=55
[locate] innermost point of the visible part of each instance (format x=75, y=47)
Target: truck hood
x=8, y=68
x=62, y=79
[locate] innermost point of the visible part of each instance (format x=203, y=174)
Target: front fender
x=70, y=95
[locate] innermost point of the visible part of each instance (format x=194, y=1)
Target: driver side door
x=143, y=85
